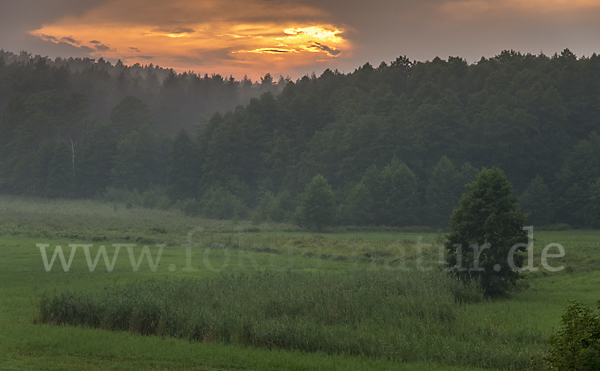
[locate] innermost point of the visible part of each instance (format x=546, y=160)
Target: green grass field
x=222, y=248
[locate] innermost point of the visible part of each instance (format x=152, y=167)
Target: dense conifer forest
x=394, y=144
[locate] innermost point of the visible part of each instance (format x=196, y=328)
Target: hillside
x=399, y=138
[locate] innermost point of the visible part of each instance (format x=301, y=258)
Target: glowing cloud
x=251, y=38
x=299, y=40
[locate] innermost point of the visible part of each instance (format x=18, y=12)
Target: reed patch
x=400, y=316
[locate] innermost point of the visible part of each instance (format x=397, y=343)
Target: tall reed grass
x=403, y=316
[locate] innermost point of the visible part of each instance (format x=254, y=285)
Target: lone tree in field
x=317, y=204
x=484, y=229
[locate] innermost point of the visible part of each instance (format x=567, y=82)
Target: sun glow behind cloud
x=308, y=39
x=225, y=45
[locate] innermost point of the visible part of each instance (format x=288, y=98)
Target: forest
x=394, y=145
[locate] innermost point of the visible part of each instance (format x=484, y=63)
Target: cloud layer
x=295, y=37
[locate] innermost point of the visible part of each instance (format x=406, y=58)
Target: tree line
x=177, y=99
x=396, y=144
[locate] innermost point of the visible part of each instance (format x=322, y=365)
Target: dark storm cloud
x=49, y=38
x=102, y=48
x=69, y=40
x=325, y=48
x=53, y=47
x=136, y=50
x=50, y=45
x=275, y=50
x=69, y=43
x=83, y=48
x=174, y=30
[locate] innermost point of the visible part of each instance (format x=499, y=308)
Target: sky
x=292, y=38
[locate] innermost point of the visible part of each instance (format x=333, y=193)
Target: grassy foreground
x=398, y=316
x=220, y=249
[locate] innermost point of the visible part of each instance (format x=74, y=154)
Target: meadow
x=175, y=292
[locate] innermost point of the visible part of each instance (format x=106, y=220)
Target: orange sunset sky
x=293, y=38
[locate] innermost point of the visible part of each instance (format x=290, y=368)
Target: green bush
x=577, y=345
